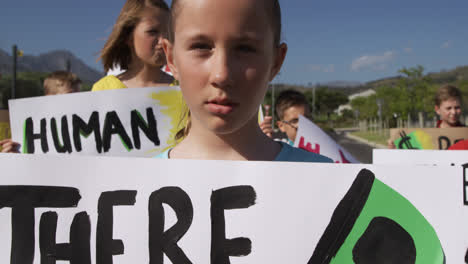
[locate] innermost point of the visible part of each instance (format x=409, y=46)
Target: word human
x=102, y=136
x=24, y=199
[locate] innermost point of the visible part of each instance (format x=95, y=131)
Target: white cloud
x=446, y=44
x=373, y=62
x=320, y=68
x=408, y=50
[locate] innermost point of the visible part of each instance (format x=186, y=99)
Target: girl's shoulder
x=289, y=153
x=109, y=82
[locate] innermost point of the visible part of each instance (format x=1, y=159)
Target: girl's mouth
x=221, y=106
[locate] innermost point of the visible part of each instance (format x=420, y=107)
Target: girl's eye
x=246, y=48
x=200, y=46
x=153, y=32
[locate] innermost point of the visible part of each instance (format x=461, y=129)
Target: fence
x=381, y=126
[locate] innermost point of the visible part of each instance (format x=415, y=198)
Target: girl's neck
x=142, y=75
x=242, y=144
x=444, y=124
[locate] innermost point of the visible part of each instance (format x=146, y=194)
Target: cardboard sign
x=4, y=125
x=126, y=122
x=312, y=138
x=427, y=138
x=127, y=210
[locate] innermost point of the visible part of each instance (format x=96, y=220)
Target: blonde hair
x=60, y=81
x=446, y=92
x=116, y=50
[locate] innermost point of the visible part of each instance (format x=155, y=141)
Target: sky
x=328, y=40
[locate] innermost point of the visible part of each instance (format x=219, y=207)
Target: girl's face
x=449, y=111
x=224, y=56
x=146, y=40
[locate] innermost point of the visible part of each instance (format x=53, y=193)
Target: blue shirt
x=287, y=153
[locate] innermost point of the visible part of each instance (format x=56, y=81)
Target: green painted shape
x=383, y=201
x=414, y=141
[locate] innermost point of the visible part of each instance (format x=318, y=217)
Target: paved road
x=360, y=151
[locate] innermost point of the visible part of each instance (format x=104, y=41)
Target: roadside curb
x=364, y=141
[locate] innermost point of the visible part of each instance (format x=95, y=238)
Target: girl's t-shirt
x=287, y=153
x=110, y=82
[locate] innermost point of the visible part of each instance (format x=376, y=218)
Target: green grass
x=379, y=138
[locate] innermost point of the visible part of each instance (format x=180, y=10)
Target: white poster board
x=125, y=122
x=313, y=139
x=420, y=157
x=122, y=210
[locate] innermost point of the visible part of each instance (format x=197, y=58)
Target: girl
x=135, y=44
x=224, y=53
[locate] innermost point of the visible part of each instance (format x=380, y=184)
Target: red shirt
x=458, y=124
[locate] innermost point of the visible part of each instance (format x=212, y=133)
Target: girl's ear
x=169, y=51
x=437, y=109
x=278, y=60
x=281, y=126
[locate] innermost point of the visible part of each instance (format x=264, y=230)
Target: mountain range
x=49, y=62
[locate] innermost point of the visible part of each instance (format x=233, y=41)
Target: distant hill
x=49, y=62
x=349, y=87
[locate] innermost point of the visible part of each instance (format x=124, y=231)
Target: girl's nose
x=222, y=70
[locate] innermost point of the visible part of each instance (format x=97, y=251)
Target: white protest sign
x=420, y=157
x=122, y=210
x=312, y=138
x=125, y=122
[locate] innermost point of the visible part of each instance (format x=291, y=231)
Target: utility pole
x=13, y=79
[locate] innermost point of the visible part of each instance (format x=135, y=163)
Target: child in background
x=59, y=82
x=290, y=105
x=448, y=106
x=135, y=44
x=224, y=53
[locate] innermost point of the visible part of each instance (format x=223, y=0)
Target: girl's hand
x=390, y=144
x=9, y=146
x=266, y=126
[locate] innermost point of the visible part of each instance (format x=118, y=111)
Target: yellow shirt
x=110, y=82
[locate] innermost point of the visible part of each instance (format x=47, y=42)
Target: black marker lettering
x=112, y=125
x=80, y=126
x=106, y=246
x=78, y=251
x=226, y=199
x=161, y=242
x=66, y=147
x=30, y=136
x=149, y=128
x=465, y=184
x=22, y=200
x=443, y=139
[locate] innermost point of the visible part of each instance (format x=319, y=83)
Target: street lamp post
x=13, y=79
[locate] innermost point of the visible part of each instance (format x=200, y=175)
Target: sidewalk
x=364, y=141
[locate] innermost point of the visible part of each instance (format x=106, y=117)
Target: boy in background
x=289, y=105
x=59, y=82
